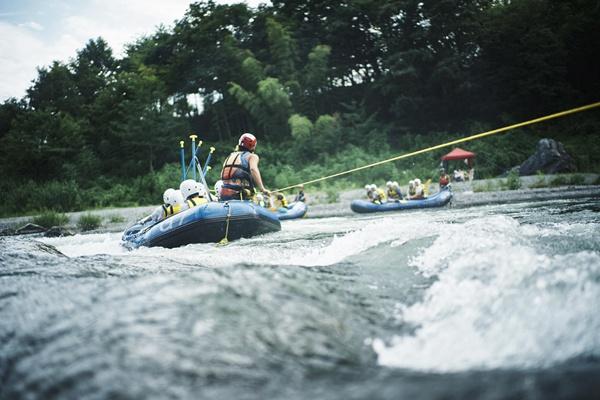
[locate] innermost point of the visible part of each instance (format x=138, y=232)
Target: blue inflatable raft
x=294, y=210
x=207, y=223
x=438, y=199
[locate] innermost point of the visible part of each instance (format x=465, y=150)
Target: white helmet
x=367, y=187
x=389, y=184
x=201, y=190
x=417, y=181
x=373, y=187
x=177, y=198
x=411, y=183
x=190, y=187
x=168, y=196
x=395, y=184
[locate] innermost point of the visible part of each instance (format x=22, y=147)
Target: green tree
x=270, y=105
x=93, y=68
x=301, y=127
x=54, y=89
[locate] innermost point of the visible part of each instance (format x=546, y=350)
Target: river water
x=484, y=302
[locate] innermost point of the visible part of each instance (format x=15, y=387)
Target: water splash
x=498, y=302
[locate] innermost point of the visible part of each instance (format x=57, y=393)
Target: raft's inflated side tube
x=294, y=210
x=438, y=199
x=205, y=224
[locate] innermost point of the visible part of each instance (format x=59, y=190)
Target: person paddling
x=240, y=174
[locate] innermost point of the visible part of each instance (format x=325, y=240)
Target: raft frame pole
x=196, y=158
x=203, y=179
x=182, y=156
x=193, y=161
x=451, y=143
x=207, y=162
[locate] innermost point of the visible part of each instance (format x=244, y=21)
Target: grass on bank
x=544, y=181
x=88, y=222
x=116, y=218
x=48, y=219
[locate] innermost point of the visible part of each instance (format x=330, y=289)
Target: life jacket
x=236, y=176
x=419, y=193
x=169, y=210
x=378, y=196
x=444, y=180
x=394, y=194
x=281, y=202
x=300, y=197
x=195, y=200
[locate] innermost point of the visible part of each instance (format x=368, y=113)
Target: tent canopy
x=458, y=154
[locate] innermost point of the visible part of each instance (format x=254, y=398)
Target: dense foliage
x=325, y=86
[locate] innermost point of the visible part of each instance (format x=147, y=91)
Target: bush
x=332, y=194
x=488, y=186
x=559, y=180
x=577, y=179
x=540, y=182
x=300, y=126
x=49, y=219
x=512, y=181
x=116, y=218
x=88, y=222
x=60, y=196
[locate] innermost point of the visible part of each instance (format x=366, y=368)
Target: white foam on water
x=498, y=302
x=87, y=245
x=341, y=238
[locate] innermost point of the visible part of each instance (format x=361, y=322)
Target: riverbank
x=466, y=194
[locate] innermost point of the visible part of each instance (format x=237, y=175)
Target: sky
x=33, y=33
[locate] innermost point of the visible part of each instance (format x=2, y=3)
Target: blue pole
x=193, y=137
x=195, y=157
x=182, y=153
x=205, y=170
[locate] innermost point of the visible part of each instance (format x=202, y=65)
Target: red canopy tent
x=458, y=154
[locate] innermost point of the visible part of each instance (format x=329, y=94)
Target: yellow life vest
x=378, y=196
x=195, y=201
x=393, y=194
x=170, y=210
x=281, y=202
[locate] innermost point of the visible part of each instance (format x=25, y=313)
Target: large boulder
x=549, y=158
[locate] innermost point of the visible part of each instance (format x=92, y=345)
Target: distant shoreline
x=464, y=196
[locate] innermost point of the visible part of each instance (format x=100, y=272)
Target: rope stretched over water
x=451, y=143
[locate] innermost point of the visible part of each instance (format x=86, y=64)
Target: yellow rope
x=225, y=240
x=462, y=140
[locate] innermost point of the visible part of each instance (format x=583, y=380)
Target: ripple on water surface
x=309, y=310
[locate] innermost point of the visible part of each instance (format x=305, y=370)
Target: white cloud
x=32, y=25
x=23, y=47
x=22, y=51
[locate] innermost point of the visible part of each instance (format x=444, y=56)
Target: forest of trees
x=324, y=85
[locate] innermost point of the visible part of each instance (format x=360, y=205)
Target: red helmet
x=248, y=141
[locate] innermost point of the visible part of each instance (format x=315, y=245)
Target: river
x=484, y=302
